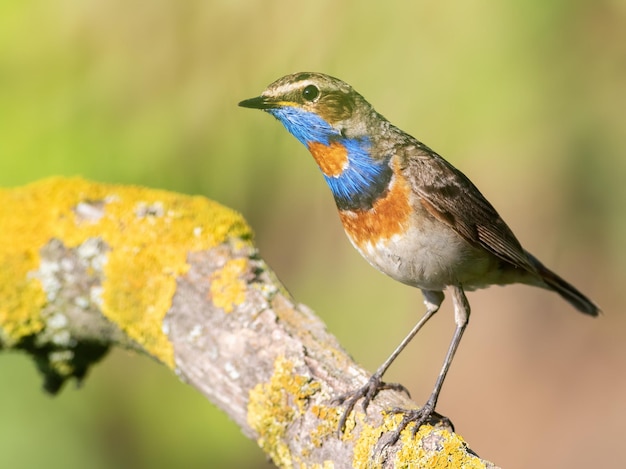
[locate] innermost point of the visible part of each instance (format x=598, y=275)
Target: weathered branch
x=85, y=266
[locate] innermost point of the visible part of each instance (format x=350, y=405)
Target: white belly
x=431, y=262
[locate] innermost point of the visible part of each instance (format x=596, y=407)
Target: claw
x=395, y=387
x=367, y=393
x=424, y=415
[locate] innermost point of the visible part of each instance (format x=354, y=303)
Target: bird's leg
x=425, y=413
x=433, y=300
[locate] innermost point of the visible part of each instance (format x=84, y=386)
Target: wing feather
x=447, y=194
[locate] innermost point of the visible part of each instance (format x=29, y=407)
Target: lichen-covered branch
x=86, y=266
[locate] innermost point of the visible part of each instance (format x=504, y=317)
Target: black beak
x=259, y=102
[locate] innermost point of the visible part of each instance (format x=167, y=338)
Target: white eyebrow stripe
x=286, y=88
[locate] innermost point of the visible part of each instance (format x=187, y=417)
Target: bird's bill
x=260, y=102
x=264, y=102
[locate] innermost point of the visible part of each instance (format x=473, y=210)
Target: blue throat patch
x=363, y=181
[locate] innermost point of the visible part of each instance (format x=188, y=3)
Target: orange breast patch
x=388, y=216
x=332, y=159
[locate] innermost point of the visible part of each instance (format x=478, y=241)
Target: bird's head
x=338, y=127
x=314, y=107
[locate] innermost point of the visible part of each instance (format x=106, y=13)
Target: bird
x=409, y=212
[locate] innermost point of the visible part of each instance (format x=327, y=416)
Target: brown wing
x=453, y=199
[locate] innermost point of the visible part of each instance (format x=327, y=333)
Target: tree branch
x=86, y=266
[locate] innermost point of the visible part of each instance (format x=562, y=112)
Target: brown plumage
x=409, y=212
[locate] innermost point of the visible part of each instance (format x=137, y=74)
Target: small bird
x=410, y=213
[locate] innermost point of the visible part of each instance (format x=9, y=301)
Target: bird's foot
x=419, y=417
x=368, y=392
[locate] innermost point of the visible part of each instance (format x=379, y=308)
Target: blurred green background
x=527, y=98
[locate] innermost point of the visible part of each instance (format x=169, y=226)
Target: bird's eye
x=310, y=92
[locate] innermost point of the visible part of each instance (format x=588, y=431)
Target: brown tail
x=568, y=292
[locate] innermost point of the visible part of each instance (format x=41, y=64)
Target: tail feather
x=567, y=291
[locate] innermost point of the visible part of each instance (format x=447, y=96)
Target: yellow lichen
x=329, y=421
x=149, y=234
x=449, y=452
x=228, y=289
x=368, y=439
x=271, y=409
x=324, y=465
